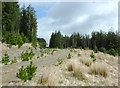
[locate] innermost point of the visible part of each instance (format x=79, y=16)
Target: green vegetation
x=97, y=40
x=38, y=56
x=102, y=49
x=71, y=50
x=69, y=56
x=80, y=47
x=27, y=56
x=19, y=25
x=14, y=60
x=42, y=43
x=93, y=56
x=56, y=40
x=60, y=61
x=31, y=54
x=27, y=73
x=34, y=44
x=42, y=54
x=95, y=49
x=5, y=58
x=79, y=54
x=52, y=52
x=75, y=51
x=22, y=74
x=112, y=52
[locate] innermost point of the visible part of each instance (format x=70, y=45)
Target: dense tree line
x=100, y=40
x=19, y=25
x=42, y=42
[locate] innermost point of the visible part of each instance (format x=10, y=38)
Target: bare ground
x=53, y=74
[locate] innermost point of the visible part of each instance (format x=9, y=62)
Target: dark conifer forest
x=19, y=26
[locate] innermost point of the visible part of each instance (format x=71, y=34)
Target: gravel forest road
x=9, y=71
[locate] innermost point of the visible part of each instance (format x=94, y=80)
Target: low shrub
x=27, y=73
x=69, y=56
x=80, y=47
x=38, y=57
x=71, y=50
x=79, y=54
x=27, y=56
x=112, y=52
x=60, y=61
x=31, y=69
x=31, y=54
x=42, y=54
x=14, y=60
x=5, y=58
x=93, y=56
x=10, y=45
x=75, y=51
x=102, y=49
x=34, y=44
x=95, y=49
x=52, y=52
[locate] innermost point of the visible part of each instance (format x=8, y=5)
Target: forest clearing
x=78, y=69
x=59, y=44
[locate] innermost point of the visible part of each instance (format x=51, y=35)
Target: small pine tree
x=14, y=60
x=5, y=59
x=31, y=54
x=69, y=56
x=27, y=73
x=60, y=61
x=31, y=69
x=22, y=74
x=93, y=56
x=79, y=54
x=95, y=49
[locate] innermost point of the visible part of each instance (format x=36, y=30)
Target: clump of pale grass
x=48, y=78
x=52, y=80
x=45, y=76
x=100, y=55
x=86, y=61
x=79, y=71
x=99, y=69
x=70, y=67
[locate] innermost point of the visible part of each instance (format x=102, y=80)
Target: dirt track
x=59, y=74
x=9, y=71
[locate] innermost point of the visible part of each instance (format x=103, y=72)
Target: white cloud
x=78, y=17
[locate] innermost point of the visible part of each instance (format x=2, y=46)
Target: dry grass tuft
x=100, y=55
x=85, y=61
x=52, y=80
x=45, y=76
x=99, y=69
x=79, y=71
x=70, y=66
x=48, y=79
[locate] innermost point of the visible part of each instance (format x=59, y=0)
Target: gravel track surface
x=9, y=71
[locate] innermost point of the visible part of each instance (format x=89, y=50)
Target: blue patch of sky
x=41, y=8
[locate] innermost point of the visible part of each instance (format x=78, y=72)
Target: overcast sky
x=69, y=17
